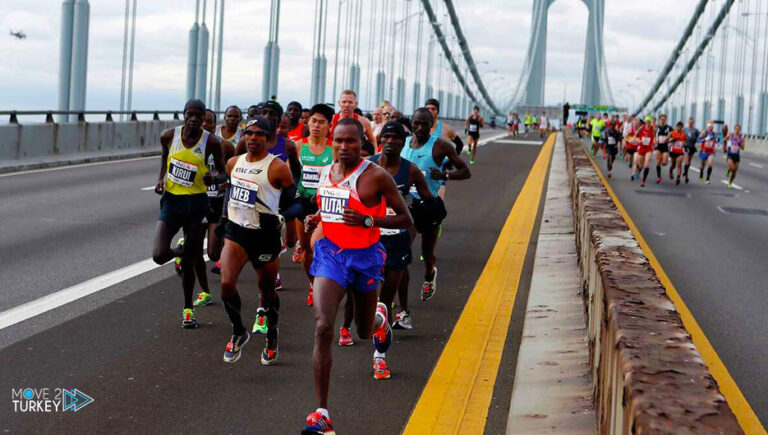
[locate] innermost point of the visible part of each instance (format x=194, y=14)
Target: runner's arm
x=165, y=140
x=402, y=217
x=461, y=172
x=368, y=130
x=417, y=179
x=213, y=148
x=293, y=157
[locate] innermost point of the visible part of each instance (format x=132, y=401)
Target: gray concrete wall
x=19, y=141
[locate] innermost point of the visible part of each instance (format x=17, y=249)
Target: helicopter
x=18, y=34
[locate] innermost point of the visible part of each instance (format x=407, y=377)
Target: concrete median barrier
x=647, y=375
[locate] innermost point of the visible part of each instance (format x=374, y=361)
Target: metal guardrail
x=14, y=114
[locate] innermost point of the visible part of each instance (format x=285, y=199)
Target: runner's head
x=422, y=122
x=378, y=115
x=253, y=111
x=397, y=116
x=284, y=126
x=434, y=107
x=257, y=133
x=347, y=140
x=392, y=138
x=293, y=110
x=737, y=129
x=388, y=111
x=691, y=122
x=304, y=116
x=710, y=126
x=347, y=102
x=662, y=119
x=475, y=110
x=320, y=117
x=233, y=117
x=273, y=111
x=648, y=120
x=679, y=126
x=209, y=121
x=194, y=112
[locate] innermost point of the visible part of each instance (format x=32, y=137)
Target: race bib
x=388, y=231
x=472, y=128
x=677, y=146
x=662, y=139
x=243, y=193
x=333, y=201
x=611, y=140
x=310, y=176
x=646, y=141
x=182, y=173
x=213, y=191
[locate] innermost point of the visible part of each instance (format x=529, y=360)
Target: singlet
x=544, y=121
x=677, y=141
x=662, y=133
x=186, y=167
x=297, y=133
x=422, y=157
x=646, y=136
x=402, y=179
x=735, y=144
x=311, y=165
x=333, y=197
x=597, y=127
x=438, y=130
x=632, y=140
x=279, y=149
x=335, y=120
x=251, y=193
x=474, y=124
x=708, y=142
x=235, y=137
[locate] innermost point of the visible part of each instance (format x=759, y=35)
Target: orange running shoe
x=345, y=337
x=380, y=370
x=298, y=254
x=310, y=299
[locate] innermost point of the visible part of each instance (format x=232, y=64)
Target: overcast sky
x=639, y=36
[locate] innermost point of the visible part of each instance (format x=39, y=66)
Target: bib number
x=611, y=140
x=388, y=231
x=310, y=176
x=243, y=194
x=662, y=139
x=333, y=201
x=646, y=141
x=472, y=128
x=182, y=173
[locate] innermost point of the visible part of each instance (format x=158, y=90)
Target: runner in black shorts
x=662, y=145
x=612, y=141
x=472, y=127
x=691, y=138
x=677, y=142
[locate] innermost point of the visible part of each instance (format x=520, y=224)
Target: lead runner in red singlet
x=353, y=195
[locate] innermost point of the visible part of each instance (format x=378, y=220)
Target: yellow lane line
x=458, y=392
x=733, y=395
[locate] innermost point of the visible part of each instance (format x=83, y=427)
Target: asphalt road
x=128, y=352
x=715, y=258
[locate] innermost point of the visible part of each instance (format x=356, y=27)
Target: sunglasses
x=259, y=133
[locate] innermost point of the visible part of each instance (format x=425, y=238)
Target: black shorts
x=308, y=207
x=398, y=249
x=428, y=214
x=735, y=157
x=690, y=150
x=612, y=150
x=183, y=211
x=674, y=156
x=631, y=152
x=474, y=134
x=217, y=207
x=261, y=245
x=662, y=147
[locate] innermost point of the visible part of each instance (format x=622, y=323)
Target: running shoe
x=642, y=183
x=730, y=184
x=260, y=324
x=269, y=355
x=278, y=282
x=632, y=177
x=708, y=181
x=429, y=287
x=216, y=268
x=235, y=347
x=380, y=369
x=177, y=262
x=298, y=253
x=403, y=320
x=677, y=181
x=318, y=424
x=310, y=299
x=382, y=337
x=609, y=174
x=687, y=179
x=345, y=337
x=203, y=299
x=701, y=176
x=188, y=319
x=658, y=180
x=471, y=162
x=284, y=248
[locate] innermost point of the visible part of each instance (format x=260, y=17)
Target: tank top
x=279, y=149
x=422, y=157
x=186, y=167
x=708, y=142
x=402, y=178
x=333, y=197
x=677, y=141
x=235, y=138
x=439, y=129
x=311, y=166
x=735, y=144
x=335, y=120
x=474, y=123
x=662, y=133
x=251, y=193
x=297, y=133
x=646, y=137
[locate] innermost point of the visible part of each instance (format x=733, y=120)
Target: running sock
x=377, y=354
x=645, y=173
x=685, y=170
x=658, y=171
x=709, y=172
x=272, y=309
x=382, y=338
x=233, y=304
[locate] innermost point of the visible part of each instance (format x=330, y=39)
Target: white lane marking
x=490, y=139
x=519, y=142
x=756, y=165
x=735, y=186
x=148, y=188
x=76, y=165
x=694, y=169
x=41, y=305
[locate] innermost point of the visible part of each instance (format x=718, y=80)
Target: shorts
x=428, y=215
x=644, y=151
x=515, y=127
x=184, y=211
x=359, y=269
x=595, y=139
x=631, y=151
x=662, y=148
x=474, y=135
x=674, y=155
x=217, y=207
x=262, y=245
x=690, y=150
x=703, y=155
x=398, y=248
x=308, y=207
x=736, y=157
x=612, y=150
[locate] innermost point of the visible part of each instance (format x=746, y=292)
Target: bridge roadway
x=715, y=259
x=124, y=347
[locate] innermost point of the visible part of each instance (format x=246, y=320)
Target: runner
x=625, y=130
x=613, y=139
x=472, y=127
x=352, y=196
x=378, y=121
x=231, y=130
x=662, y=145
x=347, y=106
x=510, y=123
x=444, y=131
x=428, y=152
x=691, y=138
x=708, y=140
x=677, y=141
x=527, y=122
x=183, y=182
x=398, y=242
x=735, y=146
x=305, y=117
x=597, y=126
x=315, y=154
x=253, y=234
x=646, y=136
x=294, y=112
x=631, y=143
x=543, y=125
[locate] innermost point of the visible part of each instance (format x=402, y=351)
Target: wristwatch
x=368, y=221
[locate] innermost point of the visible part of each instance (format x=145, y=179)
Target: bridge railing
x=133, y=115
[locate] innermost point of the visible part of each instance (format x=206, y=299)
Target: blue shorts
x=704, y=156
x=360, y=269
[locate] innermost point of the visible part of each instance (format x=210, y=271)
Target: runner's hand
x=311, y=222
x=436, y=174
x=160, y=187
x=208, y=179
x=352, y=217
